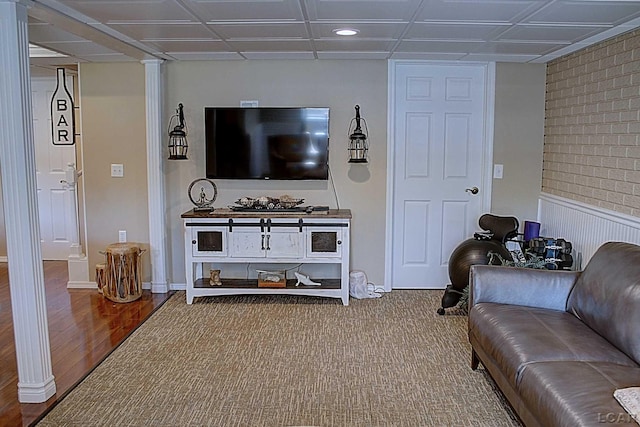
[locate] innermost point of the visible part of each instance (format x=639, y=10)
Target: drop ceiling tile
x=81, y=49
x=270, y=45
x=188, y=45
x=439, y=46
x=354, y=45
x=549, y=33
x=426, y=56
x=107, y=58
x=127, y=11
x=353, y=55
x=500, y=57
x=295, y=30
x=36, y=51
x=476, y=11
x=454, y=31
x=43, y=33
x=590, y=12
x=205, y=56
x=382, y=10
x=154, y=31
x=279, y=55
x=516, y=48
x=246, y=10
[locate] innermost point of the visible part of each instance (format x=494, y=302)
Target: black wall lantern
x=358, y=145
x=178, y=145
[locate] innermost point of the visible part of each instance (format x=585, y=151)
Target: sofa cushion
x=606, y=296
x=577, y=393
x=514, y=336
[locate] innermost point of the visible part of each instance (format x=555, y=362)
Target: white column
x=17, y=158
x=155, y=176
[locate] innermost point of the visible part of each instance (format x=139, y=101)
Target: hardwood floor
x=84, y=327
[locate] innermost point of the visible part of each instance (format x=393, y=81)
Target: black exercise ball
x=472, y=252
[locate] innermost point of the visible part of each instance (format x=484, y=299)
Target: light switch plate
x=497, y=171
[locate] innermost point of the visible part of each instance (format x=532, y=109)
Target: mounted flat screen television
x=267, y=143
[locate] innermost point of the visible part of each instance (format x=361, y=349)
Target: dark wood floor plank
x=84, y=327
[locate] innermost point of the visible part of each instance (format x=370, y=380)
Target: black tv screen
x=266, y=143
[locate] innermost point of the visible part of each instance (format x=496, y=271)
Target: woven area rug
x=290, y=361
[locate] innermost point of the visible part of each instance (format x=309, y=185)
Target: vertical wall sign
x=62, y=113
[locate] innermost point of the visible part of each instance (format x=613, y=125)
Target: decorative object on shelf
x=268, y=203
x=214, y=278
x=305, y=280
x=202, y=193
x=358, y=145
x=272, y=279
x=178, y=145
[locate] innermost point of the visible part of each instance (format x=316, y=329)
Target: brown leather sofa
x=558, y=343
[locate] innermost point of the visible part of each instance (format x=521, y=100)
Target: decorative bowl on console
x=246, y=202
x=288, y=202
x=268, y=203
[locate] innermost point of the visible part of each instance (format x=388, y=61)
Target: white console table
x=225, y=238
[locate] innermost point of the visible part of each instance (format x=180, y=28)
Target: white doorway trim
x=487, y=158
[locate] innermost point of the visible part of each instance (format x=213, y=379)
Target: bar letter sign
x=62, y=113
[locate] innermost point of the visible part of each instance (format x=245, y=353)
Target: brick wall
x=592, y=125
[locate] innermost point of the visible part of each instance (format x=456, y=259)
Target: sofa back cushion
x=606, y=297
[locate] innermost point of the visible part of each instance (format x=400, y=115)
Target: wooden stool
x=100, y=275
x=123, y=277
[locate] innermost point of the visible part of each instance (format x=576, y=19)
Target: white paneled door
x=438, y=116
x=55, y=202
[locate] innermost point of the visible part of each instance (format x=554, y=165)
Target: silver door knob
x=472, y=190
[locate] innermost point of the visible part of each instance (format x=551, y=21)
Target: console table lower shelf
x=330, y=288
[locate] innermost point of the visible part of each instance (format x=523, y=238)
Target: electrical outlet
x=497, y=171
x=117, y=170
x=122, y=236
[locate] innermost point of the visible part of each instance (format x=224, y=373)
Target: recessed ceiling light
x=346, y=31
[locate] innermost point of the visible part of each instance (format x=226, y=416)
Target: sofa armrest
x=521, y=286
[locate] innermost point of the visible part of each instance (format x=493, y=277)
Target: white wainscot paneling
x=586, y=227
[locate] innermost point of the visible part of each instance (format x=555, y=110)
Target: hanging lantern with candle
x=358, y=145
x=178, y=145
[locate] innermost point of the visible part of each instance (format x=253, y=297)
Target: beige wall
x=339, y=85
x=518, y=137
x=112, y=103
x=113, y=120
x=592, y=142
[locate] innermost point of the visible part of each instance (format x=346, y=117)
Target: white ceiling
x=473, y=30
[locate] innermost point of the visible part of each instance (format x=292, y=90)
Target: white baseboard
x=178, y=286
x=81, y=285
